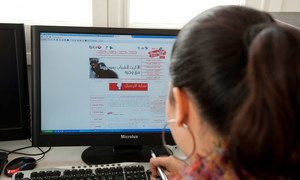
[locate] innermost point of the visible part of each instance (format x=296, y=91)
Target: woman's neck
x=208, y=142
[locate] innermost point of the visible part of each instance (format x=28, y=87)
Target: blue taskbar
x=82, y=131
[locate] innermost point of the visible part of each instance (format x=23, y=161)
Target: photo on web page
x=99, y=69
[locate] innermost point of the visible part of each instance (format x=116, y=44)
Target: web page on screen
x=103, y=82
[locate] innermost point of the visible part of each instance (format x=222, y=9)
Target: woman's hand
x=169, y=165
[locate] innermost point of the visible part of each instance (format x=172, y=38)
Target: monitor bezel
x=22, y=131
x=100, y=139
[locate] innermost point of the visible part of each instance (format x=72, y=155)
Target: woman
x=234, y=98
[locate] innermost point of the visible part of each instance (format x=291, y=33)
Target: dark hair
x=218, y=59
x=265, y=134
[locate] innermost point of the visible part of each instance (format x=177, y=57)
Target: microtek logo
x=129, y=136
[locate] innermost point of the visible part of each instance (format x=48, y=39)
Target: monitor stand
x=118, y=154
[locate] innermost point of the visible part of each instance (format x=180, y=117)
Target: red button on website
x=128, y=87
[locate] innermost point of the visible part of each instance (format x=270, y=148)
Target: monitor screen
x=14, y=100
x=105, y=85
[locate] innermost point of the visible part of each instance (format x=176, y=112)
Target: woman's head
x=211, y=62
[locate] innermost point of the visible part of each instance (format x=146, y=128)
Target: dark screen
x=14, y=99
x=9, y=91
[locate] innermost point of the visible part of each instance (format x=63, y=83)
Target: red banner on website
x=128, y=86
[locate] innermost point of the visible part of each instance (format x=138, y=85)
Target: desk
x=57, y=156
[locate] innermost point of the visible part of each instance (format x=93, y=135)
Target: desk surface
x=57, y=156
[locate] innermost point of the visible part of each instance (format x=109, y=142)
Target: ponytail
x=265, y=136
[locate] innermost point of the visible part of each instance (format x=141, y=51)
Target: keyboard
x=118, y=171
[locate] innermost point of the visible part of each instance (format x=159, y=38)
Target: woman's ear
x=181, y=105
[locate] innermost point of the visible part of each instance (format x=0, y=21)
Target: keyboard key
x=19, y=175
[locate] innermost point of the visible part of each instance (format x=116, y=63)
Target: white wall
x=291, y=5
x=275, y=5
x=114, y=13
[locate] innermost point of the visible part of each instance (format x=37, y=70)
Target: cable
x=15, y=151
x=43, y=152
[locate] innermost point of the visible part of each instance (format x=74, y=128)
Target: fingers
x=153, y=169
x=162, y=161
x=153, y=178
x=158, y=161
x=170, y=165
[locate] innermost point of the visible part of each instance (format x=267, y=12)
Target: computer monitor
x=101, y=87
x=14, y=100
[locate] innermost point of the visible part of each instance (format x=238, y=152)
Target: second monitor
x=101, y=87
